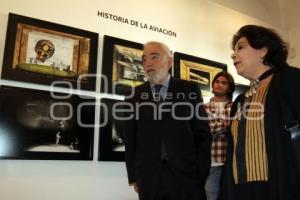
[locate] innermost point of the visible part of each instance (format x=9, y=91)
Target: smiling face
x=156, y=63
x=247, y=60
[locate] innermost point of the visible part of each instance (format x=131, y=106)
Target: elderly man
x=167, y=138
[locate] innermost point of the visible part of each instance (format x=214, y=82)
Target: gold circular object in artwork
x=46, y=47
x=44, y=50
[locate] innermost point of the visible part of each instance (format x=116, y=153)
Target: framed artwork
x=122, y=65
x=42, y=52
x=41, y=126
x=198, y=70
x=111, y=144
x=239, y=89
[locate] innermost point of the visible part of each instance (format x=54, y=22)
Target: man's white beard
x=156, y=76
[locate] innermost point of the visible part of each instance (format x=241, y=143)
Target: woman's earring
x=261, y=59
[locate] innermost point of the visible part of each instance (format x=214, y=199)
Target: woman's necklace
x=254, y=84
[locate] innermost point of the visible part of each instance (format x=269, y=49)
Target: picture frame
x=111, y=140
x=41, y=126
x=121, y=66
x=239, y=89
x=42, y=52
x=199, y=70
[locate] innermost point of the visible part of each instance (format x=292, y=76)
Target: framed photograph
x=239, y=89
x=42, y=52
x=121, y=66
x=111, y=144
x=198, y=70
x=42, y=126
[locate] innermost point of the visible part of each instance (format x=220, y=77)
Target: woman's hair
x=259, y=37
x=230, y=82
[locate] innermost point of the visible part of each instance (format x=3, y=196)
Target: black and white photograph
x=44, y=125
x=239, y=89
x=111, y=144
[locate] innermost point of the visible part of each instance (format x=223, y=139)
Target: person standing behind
x=167, y=156
x=218, y=111
x=260, y=162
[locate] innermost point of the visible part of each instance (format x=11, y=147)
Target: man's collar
x=213, y=101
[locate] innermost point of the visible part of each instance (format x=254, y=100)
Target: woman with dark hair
x=261, y=164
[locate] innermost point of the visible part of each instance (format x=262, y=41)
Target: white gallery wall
x=290, y=10
x=203, y=28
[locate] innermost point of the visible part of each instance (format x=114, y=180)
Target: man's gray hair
x=164, y=47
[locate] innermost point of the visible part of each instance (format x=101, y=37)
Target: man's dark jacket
x=187, y=141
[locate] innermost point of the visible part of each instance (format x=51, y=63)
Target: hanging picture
x=43, y=52
x=122, y=66
x=42, y=126
x=111, y=143
x=239, y=89
x=198, y=70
